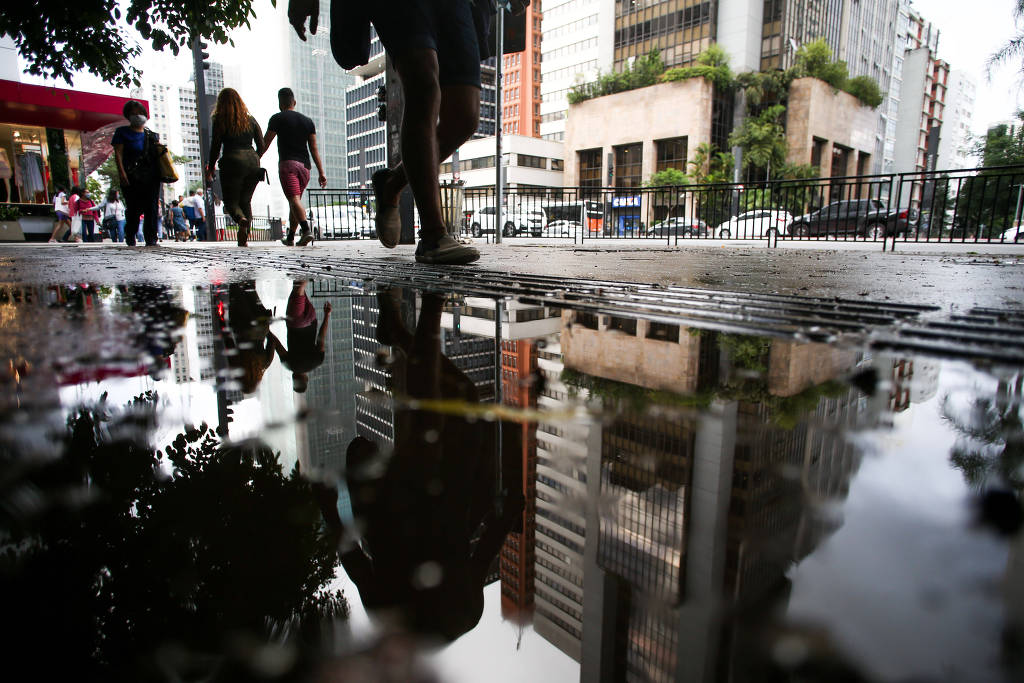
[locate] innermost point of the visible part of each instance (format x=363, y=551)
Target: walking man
x=296, y=141
x=436, y=47
x=199, y=213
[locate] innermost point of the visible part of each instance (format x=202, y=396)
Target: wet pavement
x=380, y=472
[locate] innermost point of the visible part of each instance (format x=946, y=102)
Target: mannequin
x=6, y=171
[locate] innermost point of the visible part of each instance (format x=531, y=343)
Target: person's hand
x=299, y=11
x=328, y=308
x=323, y=180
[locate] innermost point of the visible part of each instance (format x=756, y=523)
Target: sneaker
x=305, y=238
x=388, y=222
x=445, y=251
x=52, y=241
x=288, y=241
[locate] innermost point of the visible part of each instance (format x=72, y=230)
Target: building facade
x=955, y=140
x=529, y=163
x=521, y=79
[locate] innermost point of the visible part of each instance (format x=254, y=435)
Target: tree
x=814, y=59
x=865, y=89
x=226, y=548
x=644, y=71
x=708, y=165
x=763, y=140
x=712, y=64
x=56, y=42
x=987, y=202
x=1013, y=49
x=672, y=178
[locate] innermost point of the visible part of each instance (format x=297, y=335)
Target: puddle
x=317, y=481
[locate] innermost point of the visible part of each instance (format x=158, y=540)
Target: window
x=590, y=167
x=628, y=159
x=557, y=165
x=670, y=153
x=531, y=161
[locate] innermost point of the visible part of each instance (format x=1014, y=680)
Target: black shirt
x=293, y=130
x=248, y=138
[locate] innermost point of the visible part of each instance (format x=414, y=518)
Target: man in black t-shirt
x=295, y=134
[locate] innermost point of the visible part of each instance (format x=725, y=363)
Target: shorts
x=294, y=177
x=61, y=216
x=300, y=311
x=444, y=26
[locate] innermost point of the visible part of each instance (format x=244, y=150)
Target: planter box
x=36, y=227
x=11, y=231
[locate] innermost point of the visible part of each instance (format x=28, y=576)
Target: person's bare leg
x=457, y=121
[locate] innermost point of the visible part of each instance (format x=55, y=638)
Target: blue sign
x=619, y=202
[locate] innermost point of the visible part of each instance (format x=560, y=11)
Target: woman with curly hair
x=241, y=137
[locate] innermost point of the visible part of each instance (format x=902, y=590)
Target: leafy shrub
x=865, y=89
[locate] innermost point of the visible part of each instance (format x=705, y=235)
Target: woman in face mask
x=135, y=149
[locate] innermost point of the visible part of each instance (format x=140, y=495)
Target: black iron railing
x=963, y=206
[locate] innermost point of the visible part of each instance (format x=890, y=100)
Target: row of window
x=572, y=48
x=628, y=160
x=570, y=72
x=570, y=28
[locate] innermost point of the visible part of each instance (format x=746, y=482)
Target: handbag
x=168, y=173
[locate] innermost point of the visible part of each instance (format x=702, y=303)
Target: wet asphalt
x=961, y=278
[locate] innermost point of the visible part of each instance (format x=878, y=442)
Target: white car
x=481, y=222
x=563, y=228
x=755, y=224
x=1014, y=234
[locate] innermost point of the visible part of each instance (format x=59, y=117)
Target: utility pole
x=498, y=123
x=204, y=108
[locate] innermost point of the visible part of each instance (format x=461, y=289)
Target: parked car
x=1014, y=234
x=755, y=224
x=678, y=225
x=563, y=228
x=481, y=222
x=865, y=217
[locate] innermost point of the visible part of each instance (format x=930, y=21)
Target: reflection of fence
x=260, y=231
x=963, y=206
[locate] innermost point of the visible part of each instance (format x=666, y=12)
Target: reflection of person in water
x=248, y=342
x=305, y=350
x=162, y=319
x=431, y=525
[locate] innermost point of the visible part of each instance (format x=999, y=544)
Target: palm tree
x=1013, y=49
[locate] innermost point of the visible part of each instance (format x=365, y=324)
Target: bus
x=586, y=213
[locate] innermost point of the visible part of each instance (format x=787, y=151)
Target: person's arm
x=270, y=135
x=278, y=346
x=257, y=138
x=321, y=336
x=316, y=159
x=119, y=157
x=215, y=145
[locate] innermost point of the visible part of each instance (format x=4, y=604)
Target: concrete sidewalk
x=956, y=280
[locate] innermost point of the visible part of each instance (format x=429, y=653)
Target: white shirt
x=60, y=202
x=200, y=205
x=115, y=209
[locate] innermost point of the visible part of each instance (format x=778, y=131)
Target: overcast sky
x=970, y=32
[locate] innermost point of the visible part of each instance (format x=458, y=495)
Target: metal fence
x=957, y=207
x=262, y=229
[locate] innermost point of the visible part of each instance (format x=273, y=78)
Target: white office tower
x=576, y=42
x=955, y=140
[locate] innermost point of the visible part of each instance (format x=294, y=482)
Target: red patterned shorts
x=294, y=177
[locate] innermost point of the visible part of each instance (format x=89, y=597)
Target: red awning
x=42, y=105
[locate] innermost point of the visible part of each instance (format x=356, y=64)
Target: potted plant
x=10, y=229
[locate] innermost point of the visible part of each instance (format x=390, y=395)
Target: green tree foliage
x=712, y=64
x=765, y=88
x=203, y=547
x=667, y=177
x=762, y=139
x=708, y=165
x=1012, y=49
x=644, y=71
x=865, y=89
x=986, y=203
x=57, y=39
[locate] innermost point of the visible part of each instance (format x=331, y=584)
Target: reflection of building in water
x=332, y=387
x=181, y=366
x=697, y=508
x=374, y=418
x=561, y=522
x=518, y=365
x=913, y=381
x=206, y=332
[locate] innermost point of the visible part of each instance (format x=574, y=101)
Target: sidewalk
x=958, y=280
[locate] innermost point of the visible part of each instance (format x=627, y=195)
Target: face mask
x=137, y=120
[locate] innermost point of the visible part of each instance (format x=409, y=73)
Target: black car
x=865, y=217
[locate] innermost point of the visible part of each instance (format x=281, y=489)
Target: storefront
x=49, y=138
x=625, y=212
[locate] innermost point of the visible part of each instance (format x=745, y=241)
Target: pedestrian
x=138, y=168
x=75, y=234
x=178, y=222
x=90, y=216
x=199, y=213
x=436, y=48
x=113, y=216
x=306, y=344
x=241, y=137
x=296, y=141
x=60, y=210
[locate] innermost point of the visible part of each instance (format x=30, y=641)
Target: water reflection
x=651, y=501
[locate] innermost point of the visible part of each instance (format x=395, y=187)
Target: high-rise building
x=924, y=79
x=319, y=86
x=955, y=140
x=521, y=79
x=789, y=24
x=571, y=52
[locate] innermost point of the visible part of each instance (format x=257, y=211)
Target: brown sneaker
x=305, y=238
x=445, y=251
x=388, y=222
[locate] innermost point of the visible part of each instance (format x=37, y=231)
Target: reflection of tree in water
x=108, y=562
x=990, y=447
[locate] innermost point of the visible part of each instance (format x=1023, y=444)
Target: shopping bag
x=168, y=173
x=76, y=225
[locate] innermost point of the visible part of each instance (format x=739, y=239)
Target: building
x=366, y=133
x=956, y=137
x=577, y=43
x=521, y=79
x=924, y=80
x=529, y=162
x=829, y=129
x=319, y=87
x=788, y=24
